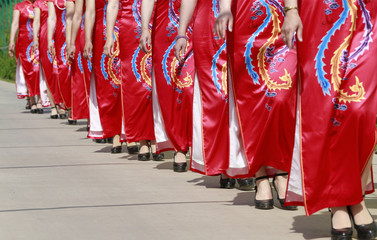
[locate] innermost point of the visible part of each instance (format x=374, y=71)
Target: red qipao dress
x=172, y=81
x=64, y=69
x=263, y=74
x=212, y=152
x=106, y=81
x=27, y=71
x=136, y=75
x=338, y=103
x=47, y=64
x=80, y=78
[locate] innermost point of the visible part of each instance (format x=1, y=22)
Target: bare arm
x=70, y=10
x=111, y=16
x=90, y=14
x=51, y=23
x=76, y=20
x=186, y=11
x=13, y=32
x=225, y=19
x=36, y=27
x=146, y=14
x=292, y=24
x=76, y=23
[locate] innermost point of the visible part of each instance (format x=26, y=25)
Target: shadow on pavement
x=312, y=227
x=206, y=181
x=244, y=199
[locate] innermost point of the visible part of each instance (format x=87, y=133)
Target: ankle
x=340, y=218
x=180, y=157
x=360, y=214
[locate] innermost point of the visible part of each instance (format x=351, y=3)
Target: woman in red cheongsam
x=27, y=71
x=58, y=34
x=136, y=76
x=79, y=65
x=106, y=115
x=48, y=63
x=172, y=81
x=337, y=106
x=263, y=75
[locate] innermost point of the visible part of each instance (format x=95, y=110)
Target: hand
x=224, y=21
x=11, y=50
x=88, y=50
x=145, y=41
x=71, y=52
x=50, y=48
x=35, y=46
x=108, y=49
x=292, y=24
x=180, y=49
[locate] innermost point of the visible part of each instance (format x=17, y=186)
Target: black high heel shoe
x=54, y=116
x=179, y=167
x=115, y=150
x=144, y=156
x=262, y=204
x=158, y=156
x=281, y=200
x=227, y=183
x=33, y=110
x=246, y=184
x=39, y=108
x=340, y=234
x=364, y=231
x=72, y=122
x=132, y=149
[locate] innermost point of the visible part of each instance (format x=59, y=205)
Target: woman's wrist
x=181, y=36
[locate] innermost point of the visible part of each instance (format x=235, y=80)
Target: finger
x=289, y=39
x=299, y=33
x=223, y=29
x=230, y=24
x=112, y=51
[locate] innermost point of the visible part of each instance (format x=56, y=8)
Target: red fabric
x=80, y=79
x=174, y=82
x=211, y=69
x=108, y=77
x=338, y=99
x=136, y=76
x=263, y=72
x=24, y=48
x=48, y=63
x=64, y=71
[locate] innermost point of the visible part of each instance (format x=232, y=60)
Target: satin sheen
x=24, y=48
x=174, y=81
x=107, y=74
x=137, y=88
x=263, y=72
x=338, y=101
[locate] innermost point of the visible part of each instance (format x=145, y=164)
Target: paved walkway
x=57, y=184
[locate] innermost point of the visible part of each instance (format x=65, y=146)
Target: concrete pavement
x=57, y=184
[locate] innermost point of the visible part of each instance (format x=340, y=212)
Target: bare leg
x=263, y=185
x=153, y=146
x=144, y=148
x=360, y=211
x=281, y=183
x=180, y=157
x=340, y=218
x=116, y=141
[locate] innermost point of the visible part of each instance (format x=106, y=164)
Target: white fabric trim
x=197, y=136
x=43, y=88
x=95, y=120
x=21, y=88
x=237, y=159
x=162, y=140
